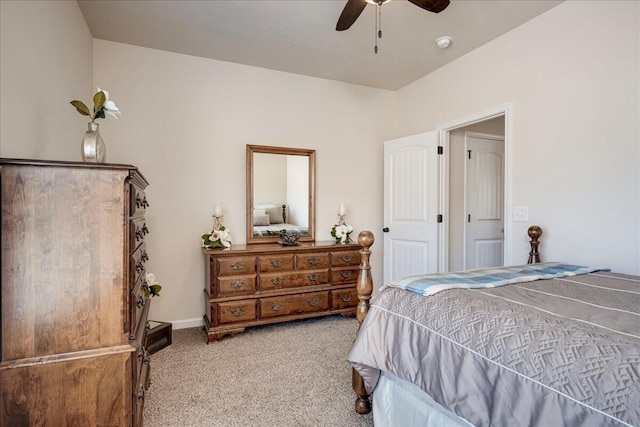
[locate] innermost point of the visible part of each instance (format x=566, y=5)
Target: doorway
x=455, y=240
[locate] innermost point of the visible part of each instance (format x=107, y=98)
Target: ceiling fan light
x=443, y=42
x=376, y=2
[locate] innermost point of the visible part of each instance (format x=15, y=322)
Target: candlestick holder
x=217, y=223
x=341, y=219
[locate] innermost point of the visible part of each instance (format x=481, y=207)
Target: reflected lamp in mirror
x=280, y=193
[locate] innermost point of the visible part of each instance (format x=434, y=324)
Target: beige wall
x=186, y=121
x=571, y=75
x=46, y=62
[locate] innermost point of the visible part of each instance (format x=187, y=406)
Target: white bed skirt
x=397, y=402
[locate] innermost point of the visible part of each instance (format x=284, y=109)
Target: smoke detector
x=443, y=42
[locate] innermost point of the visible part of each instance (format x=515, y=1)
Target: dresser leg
x=217, y=336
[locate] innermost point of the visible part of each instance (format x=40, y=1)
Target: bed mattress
x=542, y=353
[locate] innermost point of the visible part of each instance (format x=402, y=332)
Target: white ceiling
x=299, y=36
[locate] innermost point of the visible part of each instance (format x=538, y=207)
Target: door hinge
x=439, y=218
x=469, y=218
x=440, y=149
x=469, y=152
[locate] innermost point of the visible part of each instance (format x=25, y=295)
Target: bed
x=271, y=220
x=562, y=349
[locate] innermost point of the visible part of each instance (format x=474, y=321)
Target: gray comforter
x=560, y=352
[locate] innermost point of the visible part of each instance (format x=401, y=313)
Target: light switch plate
x=521, y=214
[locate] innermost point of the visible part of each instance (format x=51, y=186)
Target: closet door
x=411, y=184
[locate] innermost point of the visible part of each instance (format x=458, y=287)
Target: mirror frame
x=311, y=154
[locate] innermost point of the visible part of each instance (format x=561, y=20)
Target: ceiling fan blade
x=350, y=13
x=435, y=6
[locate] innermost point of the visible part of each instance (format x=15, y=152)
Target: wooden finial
x=534, y=232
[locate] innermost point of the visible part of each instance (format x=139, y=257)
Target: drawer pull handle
x=313, y=302
x=276, y=262
x=238, y=266
x=139, y=202
x=139, y=235
x=144, y=355
x=145, y=204
x=141, y=392
x=238, y=284
x=145, y=230
x=277, y=307
x=345, y=258
x=345, y=298
x=238, y=311
x=140, y=302
x=313, y=261
x=139, y=267
x=277, y=280
x=147, y=326
x=313, y=277
x=145, y=257
x=345, y=274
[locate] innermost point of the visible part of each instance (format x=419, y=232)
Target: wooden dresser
x=268, y=283
x=73, y=309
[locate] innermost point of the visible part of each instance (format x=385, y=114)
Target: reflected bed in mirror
x=280, y=193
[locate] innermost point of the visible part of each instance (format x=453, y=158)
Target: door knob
x=385, y=230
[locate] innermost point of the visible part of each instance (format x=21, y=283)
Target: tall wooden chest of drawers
x=268, y=283
x=72, y=294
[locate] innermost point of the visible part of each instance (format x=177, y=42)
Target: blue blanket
x=431, y=284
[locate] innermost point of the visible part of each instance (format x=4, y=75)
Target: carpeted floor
x=288, y=374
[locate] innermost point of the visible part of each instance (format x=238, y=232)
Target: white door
x=484, y=189
x=411, y=178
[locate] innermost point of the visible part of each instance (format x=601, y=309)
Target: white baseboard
x=187, y=323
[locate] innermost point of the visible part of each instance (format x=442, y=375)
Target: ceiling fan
x=354, y=8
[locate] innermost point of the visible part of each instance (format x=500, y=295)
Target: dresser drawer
x=293, y=304
x=137, y=229
x=138, y=301
x=236, y=311
x=137, y=261
x=345, y=258
x=235, y=266
x=276, y=263
x=270, y=281
x=138, y=204
x=236, y=285
x=344, y=275
x=344, y=298
x=312, y=261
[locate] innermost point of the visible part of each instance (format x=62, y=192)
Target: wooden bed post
x=364, y=288
x=534, y=232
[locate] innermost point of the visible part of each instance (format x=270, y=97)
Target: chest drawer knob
x=313, y=302
x=345, y=298
x=237, y=284
x=313, y=277
x=147, y=326
x=277, y=307
x=237, y=311
x=140, y=302
x=277, y=280
x=276, y=262
x=345, y=274
x=345, y=258
x=141, y=392
x=313, y=261
x=237, y=266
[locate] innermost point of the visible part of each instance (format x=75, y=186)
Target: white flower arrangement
x=218, y=238
x=342, y=232
x=101, y=105
x=151, y=286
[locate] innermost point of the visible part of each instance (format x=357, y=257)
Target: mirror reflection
x=279, y=193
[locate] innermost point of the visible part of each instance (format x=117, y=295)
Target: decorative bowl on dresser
x=74, y=315
x=269, y=283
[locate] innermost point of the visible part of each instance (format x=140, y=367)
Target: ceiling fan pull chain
x=378, y=33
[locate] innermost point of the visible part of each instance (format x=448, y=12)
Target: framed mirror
x=281, y=193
